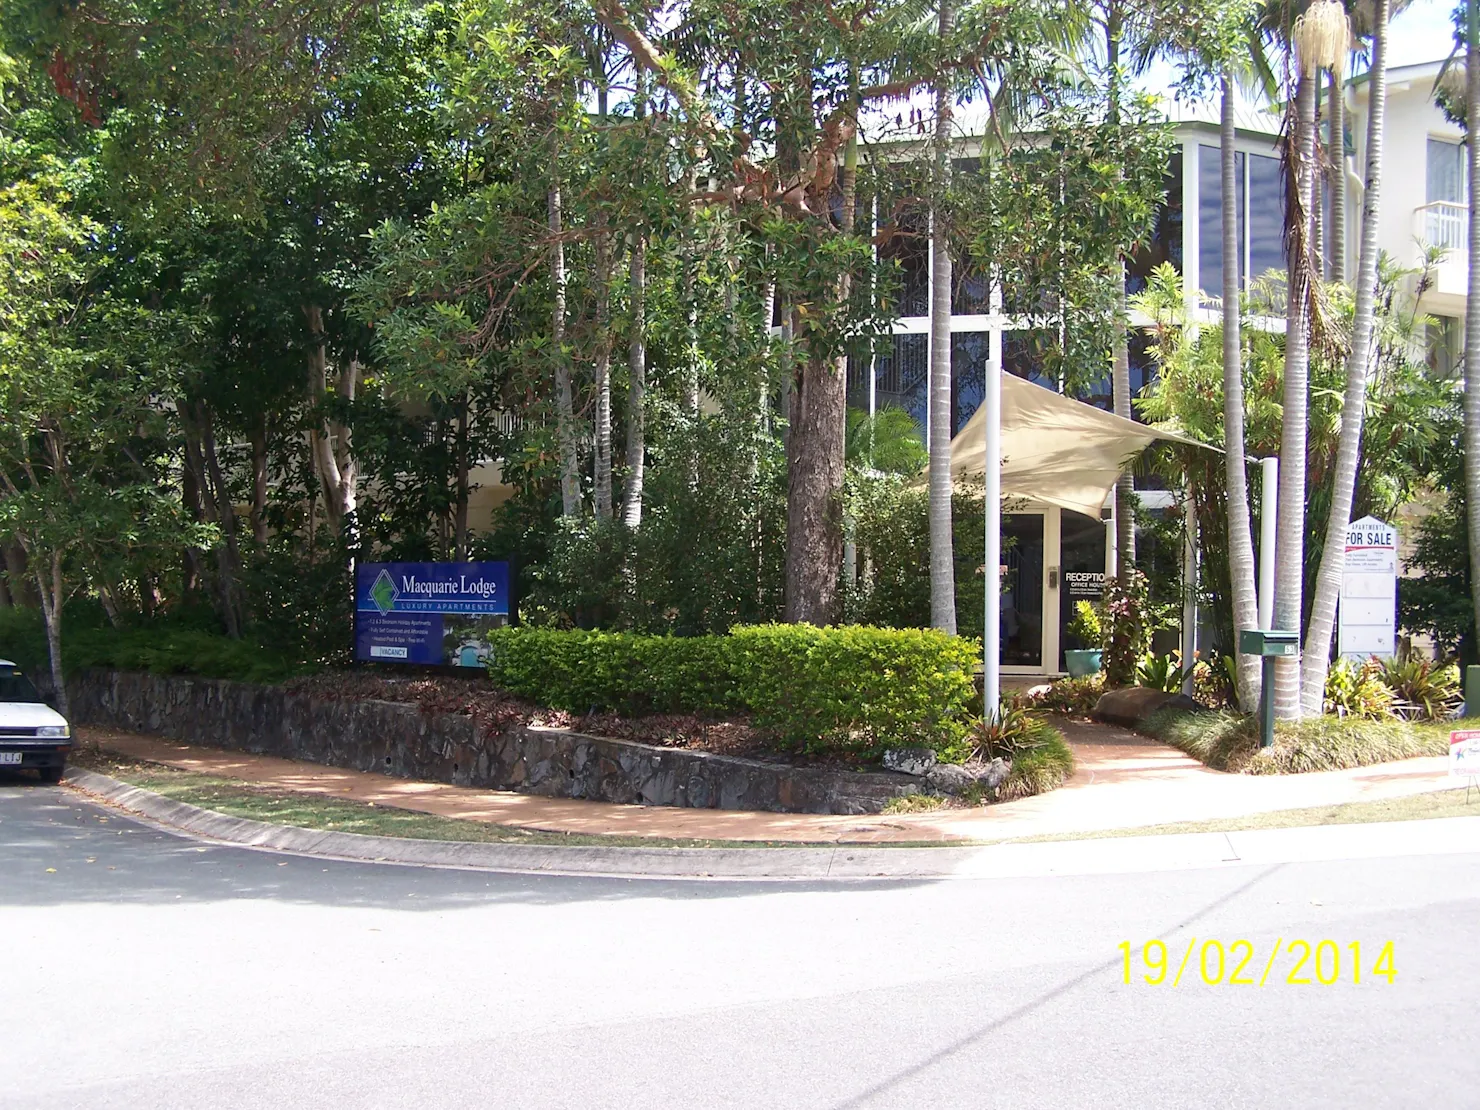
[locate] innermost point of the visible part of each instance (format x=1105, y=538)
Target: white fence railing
x=1445, y=224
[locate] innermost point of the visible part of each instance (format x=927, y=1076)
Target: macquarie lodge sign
x=436, y=613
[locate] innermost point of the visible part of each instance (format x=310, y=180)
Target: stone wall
x=401, y=740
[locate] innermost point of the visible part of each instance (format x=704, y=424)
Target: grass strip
x=1230, y=741
x=320, y=812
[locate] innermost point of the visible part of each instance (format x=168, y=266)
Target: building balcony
x=1446, y=226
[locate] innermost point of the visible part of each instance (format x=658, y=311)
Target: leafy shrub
x=1084, y=627
x=1357, y=690
x=1423, y=689
x=1126, y=626
x=1072, y=695
x=1014, y=729
x=1039, y=768
x=852, y=688
x=1162, y=672
x=183, y=643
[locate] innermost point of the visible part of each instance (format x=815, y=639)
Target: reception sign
x=436, y=613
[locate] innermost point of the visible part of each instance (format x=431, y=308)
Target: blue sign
x=435, y=613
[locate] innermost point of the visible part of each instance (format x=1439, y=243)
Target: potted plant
x=1084, y=629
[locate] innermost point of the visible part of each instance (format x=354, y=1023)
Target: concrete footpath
x=1122, y=780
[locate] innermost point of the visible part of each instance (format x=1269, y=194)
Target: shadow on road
x=56, y=849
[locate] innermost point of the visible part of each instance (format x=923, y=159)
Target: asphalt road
x=146, y=970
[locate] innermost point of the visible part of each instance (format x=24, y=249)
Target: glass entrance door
x=1022, y=590
x=1082, y=557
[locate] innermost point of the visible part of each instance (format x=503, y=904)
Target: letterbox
x=1268, y=642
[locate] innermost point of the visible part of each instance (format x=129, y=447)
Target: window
x=901, y=376
x=1166, y=240
x=1446, y=172
x=1210, y=217
x=1261, y=217
x=969, y=352
x=1266, y=216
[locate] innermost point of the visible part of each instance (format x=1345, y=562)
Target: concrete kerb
x=843, y=863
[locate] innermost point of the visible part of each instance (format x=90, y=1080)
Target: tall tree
x=942, y=558
x=1317, y=35
x=1359, y=368
x=1472, y=304
x=1240, y=537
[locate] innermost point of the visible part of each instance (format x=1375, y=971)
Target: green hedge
x=852, y=688
x=166, y=645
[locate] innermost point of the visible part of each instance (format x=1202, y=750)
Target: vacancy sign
x=1464, y=752
x=1369, y=590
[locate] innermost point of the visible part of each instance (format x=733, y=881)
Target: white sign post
x=1369, y=590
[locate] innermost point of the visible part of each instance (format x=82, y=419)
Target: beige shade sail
x=1055, y=449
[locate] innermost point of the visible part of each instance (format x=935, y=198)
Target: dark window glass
x=1166, y=240
x=1022, y=355
x=969, y=292
x=909, y=249
x=1266, y=216
x=969, y=351
x=901, y=376
x=1021, y=599
x=1210, y=218
x=1082, y=577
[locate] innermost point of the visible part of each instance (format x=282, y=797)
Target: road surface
x=149, y=970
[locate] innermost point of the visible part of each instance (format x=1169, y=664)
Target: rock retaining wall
x=401, y=740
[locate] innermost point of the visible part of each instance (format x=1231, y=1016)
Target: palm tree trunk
x=1240, y=538
x=1317, y=654
x=1336, y=156
x=602, y=492
x=942, y=559
x=1290, y=545
x=637, y=387
x=565, y=431
x=1472, y=311
x=1120, y=360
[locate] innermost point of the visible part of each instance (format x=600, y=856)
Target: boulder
x=949, y=778
x=1131, y=706
x=909, y=761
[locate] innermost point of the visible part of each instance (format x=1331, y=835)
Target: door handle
x=1053, y=578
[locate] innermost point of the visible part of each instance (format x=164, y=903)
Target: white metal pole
x=992, y=511
x=1189, y=597
x=1269, y=470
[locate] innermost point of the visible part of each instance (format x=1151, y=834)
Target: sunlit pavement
x=148, y=970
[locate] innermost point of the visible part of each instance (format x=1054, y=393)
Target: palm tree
x=1472, y=305
x=1348, y=450
x=942, y=558
x=1240, y=537
x=1318, y=36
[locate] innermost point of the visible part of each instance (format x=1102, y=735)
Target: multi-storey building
x=1056, y=555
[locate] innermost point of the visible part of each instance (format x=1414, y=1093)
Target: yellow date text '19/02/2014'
x=1239, y=963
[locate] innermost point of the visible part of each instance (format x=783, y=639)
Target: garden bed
x=1230, y=742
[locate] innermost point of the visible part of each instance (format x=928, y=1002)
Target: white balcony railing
x=1445, y=224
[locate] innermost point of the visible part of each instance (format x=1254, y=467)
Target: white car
x=32, y=733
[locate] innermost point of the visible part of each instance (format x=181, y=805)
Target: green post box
x=1270, y=644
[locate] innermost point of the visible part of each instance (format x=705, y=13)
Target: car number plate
x=12, y=758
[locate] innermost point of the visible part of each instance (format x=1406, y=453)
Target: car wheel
x=53, y=774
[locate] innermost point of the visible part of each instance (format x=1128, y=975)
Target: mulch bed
x=496, y=710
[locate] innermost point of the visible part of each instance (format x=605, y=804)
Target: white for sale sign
x=1464, y=752
x=1369, y=590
